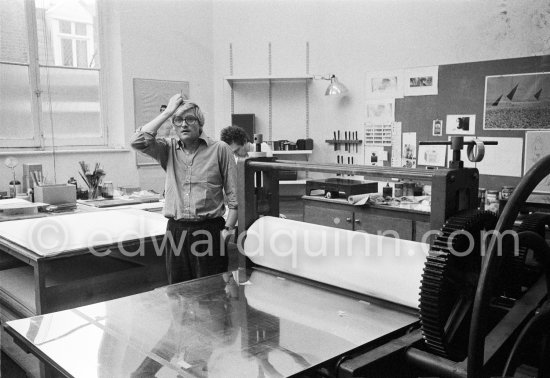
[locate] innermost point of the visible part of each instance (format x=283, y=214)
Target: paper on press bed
x=378, y=266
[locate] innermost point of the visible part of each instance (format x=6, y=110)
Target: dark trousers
x=199, y=254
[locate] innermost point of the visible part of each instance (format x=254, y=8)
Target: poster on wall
x=149, y=96
x=420, y=81
x=384, y=84
x=504, y=159
x=437, y=127
x=520, y=102
x=378, y=134
x=461, y=124
x=408, y=158
x=537, y=145
x=375, y=155
x=381, y=111
x=432, y=155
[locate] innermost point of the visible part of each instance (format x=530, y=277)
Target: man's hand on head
x=175, y=101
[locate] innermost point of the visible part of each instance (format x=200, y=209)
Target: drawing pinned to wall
x=537, y=145
x=432, y=155
x=375, y=156
x=461, y=124
x=408, y=158
x=437, y=127
x=421, y=81
x=381, y=111
x=149, y=96
x=386, y=84
x=519, y=101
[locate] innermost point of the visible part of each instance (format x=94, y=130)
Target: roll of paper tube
x=379, y=266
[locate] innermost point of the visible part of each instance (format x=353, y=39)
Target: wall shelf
x=293, y=152
x=285, y=78
x=344, y=141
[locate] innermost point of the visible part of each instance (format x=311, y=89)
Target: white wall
x=349, y=38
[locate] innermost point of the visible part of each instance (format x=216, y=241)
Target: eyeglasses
x=189, y=120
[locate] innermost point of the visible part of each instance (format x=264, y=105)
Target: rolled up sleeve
x=229, y=168
x=148, y=144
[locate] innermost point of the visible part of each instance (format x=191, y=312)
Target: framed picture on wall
x=149, y=97
x=420, y=81
x=518, y=102
x=384, y=84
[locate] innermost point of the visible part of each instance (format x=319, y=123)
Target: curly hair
x=235, y=134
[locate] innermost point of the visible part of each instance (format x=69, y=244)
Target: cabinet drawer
x=374, y=224
x=328, y=217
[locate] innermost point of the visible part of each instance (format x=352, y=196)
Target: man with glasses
x=198, y=172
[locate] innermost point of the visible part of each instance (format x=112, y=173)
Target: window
x=49, y=74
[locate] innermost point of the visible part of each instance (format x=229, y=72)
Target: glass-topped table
x=265, y=325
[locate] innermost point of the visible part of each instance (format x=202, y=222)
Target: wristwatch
x=229, y=228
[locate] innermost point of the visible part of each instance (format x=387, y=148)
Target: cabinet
x=407, y=224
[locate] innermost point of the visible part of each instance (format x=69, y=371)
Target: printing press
x=354, y=305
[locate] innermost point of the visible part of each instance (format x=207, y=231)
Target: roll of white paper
x=374, y=265
x=359, y=199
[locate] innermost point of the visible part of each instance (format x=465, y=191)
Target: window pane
x=67, y=52
x=80, y=28
x=52, y=18
x=65, y=27
x=14, y=46
x=74, y=103
x=82, y=54
x=15, y=103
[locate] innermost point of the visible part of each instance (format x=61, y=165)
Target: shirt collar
x=203, y=137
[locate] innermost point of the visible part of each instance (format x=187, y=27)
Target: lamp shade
x=335, y=88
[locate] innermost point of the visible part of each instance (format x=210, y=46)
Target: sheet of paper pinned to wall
x=396, y=144
x=432, y=155
x=408, y=157
x=537, y=145
x=375, y=155
x=380, y=111
x=461, y=124
x=503, y=159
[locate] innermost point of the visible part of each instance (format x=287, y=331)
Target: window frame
x=37, y=89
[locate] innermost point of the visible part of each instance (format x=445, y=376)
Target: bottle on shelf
x=387, y=191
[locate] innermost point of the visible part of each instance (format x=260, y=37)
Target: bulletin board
x=461, y=90
x=149, y=95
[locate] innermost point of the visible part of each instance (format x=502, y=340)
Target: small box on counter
x=127, y=190
x=30, y=172
x=55, y=194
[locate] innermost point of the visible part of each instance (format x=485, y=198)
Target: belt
x=195, y=221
